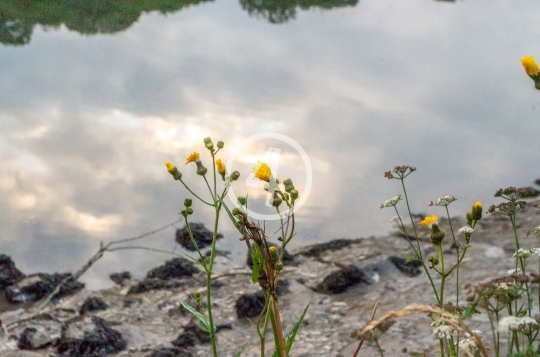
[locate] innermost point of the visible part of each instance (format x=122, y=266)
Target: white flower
x=522, y=253
x=513, y=271
x=391, y=202
x=466, y=230
x=394, y=219
x=443, y=201
x=528, y=321
x=443, y=332
x=509, y=323
x=512, y=323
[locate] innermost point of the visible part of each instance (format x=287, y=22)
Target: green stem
x=443, y=275
x=194, y=194
x=418, y=249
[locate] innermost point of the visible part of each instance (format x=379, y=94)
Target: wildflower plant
x=267, y=259
x=507, y=300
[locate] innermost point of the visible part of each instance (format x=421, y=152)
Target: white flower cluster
x=391, y=202
x=443, y=201
x=525, y=253
x=512, y=323
x=466, y=230
x=442, y=331
x=513, y=271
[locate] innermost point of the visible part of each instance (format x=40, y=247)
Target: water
x=92, y=105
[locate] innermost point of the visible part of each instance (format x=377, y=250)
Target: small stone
x=174, y=268
x=120, y=278
x=93, y=303
x=37, y=286
x=411, y=268
x=33, y=338
x=339, y=281
x=201, y=235
x=250, y=305
x=103, y=340
x=9, y=274
x=170, y=352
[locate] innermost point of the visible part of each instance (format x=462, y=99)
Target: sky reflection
x=86, y=122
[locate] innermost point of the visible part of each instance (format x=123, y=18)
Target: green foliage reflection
x=19, y=17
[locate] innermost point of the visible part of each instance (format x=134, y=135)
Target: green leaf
x=410, y=258
x=241, y=349
x=234, y=220
x=468, y=312
x=202, y=319
x=290, y=339
x=256, y=258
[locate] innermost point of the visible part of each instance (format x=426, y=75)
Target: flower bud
x=278, y=266
x=433, y=260
x=236, y=211
x=188, y=202
x=469, y=218
x=208, y=143
x=288, y=185
x=198, y=297
x=274, y=255
x=242, y=200
x=277, y=200
x=220, y=144
x=477, y=211
x=436, y=237
x=294, y=194
x=201, y=170
x=189, y=210
x=184, y=213
x=235, y=175
x=173, y=170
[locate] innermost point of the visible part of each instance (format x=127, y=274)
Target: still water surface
x=94, y=100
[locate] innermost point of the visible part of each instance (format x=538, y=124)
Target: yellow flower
x=193, y=157
x=531, y=68
x=476, y=211
x=173, y=170
x=220, y=166
x=429, y=221
x=170, y=167
x=262, y=172
x=478, y=204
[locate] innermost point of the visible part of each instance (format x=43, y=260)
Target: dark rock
x=120, y=278
x=339, y=281
x=250, y=305
x=9, y=275
x=93, y=303
x=193, y=335
x=153, y=284
x=283, y=287
x=103, y=340
x=170, y=352
x=174, y=268
x=337, y=244
x=411, y=268
x=288, y=259
x=130, y=300
x=201, y=235
x=33, y=338
x=37, y=286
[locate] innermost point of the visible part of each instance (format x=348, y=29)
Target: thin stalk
x=443, y=275
x=418, y=250
x=194, y=194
